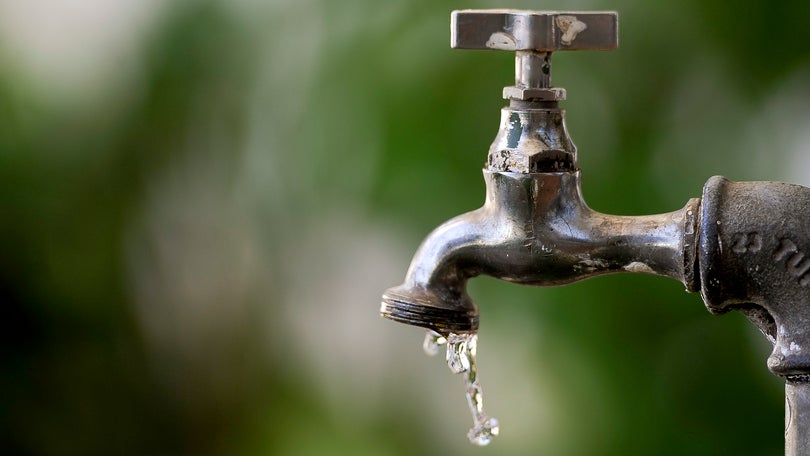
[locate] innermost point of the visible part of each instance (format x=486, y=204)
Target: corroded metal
x=532, y=139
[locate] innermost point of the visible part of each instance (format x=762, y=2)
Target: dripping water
x=461, y=353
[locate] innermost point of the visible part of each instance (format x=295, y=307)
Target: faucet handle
x=533, y=35
x=541, y=31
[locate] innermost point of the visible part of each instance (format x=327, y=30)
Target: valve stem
x=532, y=70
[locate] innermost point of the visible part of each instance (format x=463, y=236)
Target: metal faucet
x=742, y=245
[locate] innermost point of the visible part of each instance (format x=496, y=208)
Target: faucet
x=744, y=246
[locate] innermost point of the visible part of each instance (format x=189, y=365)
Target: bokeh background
x=202, y=200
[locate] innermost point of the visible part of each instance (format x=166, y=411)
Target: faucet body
x=535, y=229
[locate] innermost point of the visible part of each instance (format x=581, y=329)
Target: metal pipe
x=797, y=417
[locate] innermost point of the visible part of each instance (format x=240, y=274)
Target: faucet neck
x=532, y=138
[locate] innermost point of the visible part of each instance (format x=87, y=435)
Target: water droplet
x=433, y=343
x=483, y=433
x=461, y=352
x=458, y=359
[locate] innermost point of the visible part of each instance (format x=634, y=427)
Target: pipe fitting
x=753, y=256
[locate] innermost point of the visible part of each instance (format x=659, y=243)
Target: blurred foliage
x=188, y=250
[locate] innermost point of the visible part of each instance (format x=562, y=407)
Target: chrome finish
x=534, y=229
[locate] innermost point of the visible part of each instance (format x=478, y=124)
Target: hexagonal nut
x=524, y=94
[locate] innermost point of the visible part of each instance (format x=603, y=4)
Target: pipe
x=797, y=417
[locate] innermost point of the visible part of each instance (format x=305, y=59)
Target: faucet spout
x=535, y=229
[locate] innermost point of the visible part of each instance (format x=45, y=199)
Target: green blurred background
x=201, y=202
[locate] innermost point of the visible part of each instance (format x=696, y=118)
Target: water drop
x=433, y=343
x=458, y=358
x=483, y=433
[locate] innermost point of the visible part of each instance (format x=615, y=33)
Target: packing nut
x=536, y=94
